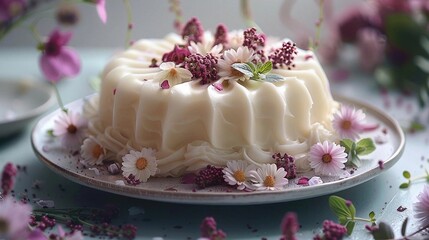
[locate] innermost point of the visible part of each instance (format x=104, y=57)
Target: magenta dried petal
x=303, y=181
x=165, y=84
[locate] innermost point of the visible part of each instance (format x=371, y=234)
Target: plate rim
x=231, y=198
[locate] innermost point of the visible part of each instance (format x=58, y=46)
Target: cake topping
x=177, y=55
x=221, y=35
x=202, y=67
x=284, y=56
x=193, y=31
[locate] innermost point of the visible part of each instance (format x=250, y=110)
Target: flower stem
x=129, y=23
x=362, y=219
x=247, y=15
x=60, y=102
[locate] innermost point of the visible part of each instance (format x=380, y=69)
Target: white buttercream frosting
x=193, y=125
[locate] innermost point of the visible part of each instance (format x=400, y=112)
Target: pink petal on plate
x=165, y=84
x=303, y=181
x=218, y=86
x=370, y=127
x=101, y=10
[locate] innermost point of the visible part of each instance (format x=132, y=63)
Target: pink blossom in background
x=8, y=178
x=57, y=60
x=421, y=207
x=371, y=45
x=15, y=216
x=10, y=8
x=101, y=10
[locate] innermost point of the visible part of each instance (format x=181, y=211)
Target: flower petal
x=101, y=10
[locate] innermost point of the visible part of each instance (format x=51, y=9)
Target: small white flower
x=237, y=173
x=173, y=74
x=140, y=164
x=70, y=128
x=92, y=151
x=268, y=177
x=231, y=56
x=327, y=158
x=315, y=181
x=205, y=48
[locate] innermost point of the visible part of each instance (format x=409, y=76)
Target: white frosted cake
x=183, y=97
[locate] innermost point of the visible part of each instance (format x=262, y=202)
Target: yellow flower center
x=72, y=129
x=172, y=73
x=346, y=125
x=269, y=181
x=141, y=163
x=239, y=176
x=97, y=151
x=326, y=158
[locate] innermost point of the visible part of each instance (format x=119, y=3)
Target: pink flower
x=14, y=217
x=421, y=207
x=10, y=8
x=57, y=60
x=101, y=10
x=349, y=122
x=327, y=158
x=8, y=178
x=290, y=226
x=371, y=48
x=70, y=128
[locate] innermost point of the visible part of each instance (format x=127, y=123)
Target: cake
x=194, y=101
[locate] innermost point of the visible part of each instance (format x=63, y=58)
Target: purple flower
x=57, y=60
x=421, y=207
x=177, y=55
x=290, y=226
x=8, y=178
x=10, y=8
x=202, y=67
x=355, y=19
x=284, y=55
x=209, y=176
x=209, y=230
x=221, y=35
x=349, y=122
x=327, y=158
x=193, y=31
x=332, y=230
x=14, y=217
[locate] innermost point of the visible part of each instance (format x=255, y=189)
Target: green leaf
x=404, y=185
x=341, y=210
x=383, y=232
x=50, y=132
x=347, y=144
x=350, y=226
x=404, y=227
x=365, y=146
x=406, y=174
x=252, y=66
x=273, y=78
x=371, y=215
x=266, y=67
x=416, y=127
x=243, y=68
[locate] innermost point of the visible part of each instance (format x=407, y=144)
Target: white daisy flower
x=141, y=164
x=205, y=48
x=70, y=128
x=327, y=158
x=173, y=74
x=268, y=177
x=237, y=173
x=231, y=56
x=92, y=151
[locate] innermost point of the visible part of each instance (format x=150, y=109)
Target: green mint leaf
x=266, y=67
x=50, y=132
x=406, y=174
x=350, y=226
x=341, y=210
x=243, y=68
x=371, y=215
x=273, y=78
x=404, y=227
x=343, y=220
x=416, y=127
x=383, y=232
x=365, y=146
x=347, y=144
x=404, y=185
x=252, y=66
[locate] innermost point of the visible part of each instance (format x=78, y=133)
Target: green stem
x=129, y=23
x=360, y=219
x=247, y=15
x=60, y=102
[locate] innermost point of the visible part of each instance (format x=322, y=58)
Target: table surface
x=181, y=221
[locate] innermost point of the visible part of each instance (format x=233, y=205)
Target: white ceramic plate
x=66, y=164
x=21, y=101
